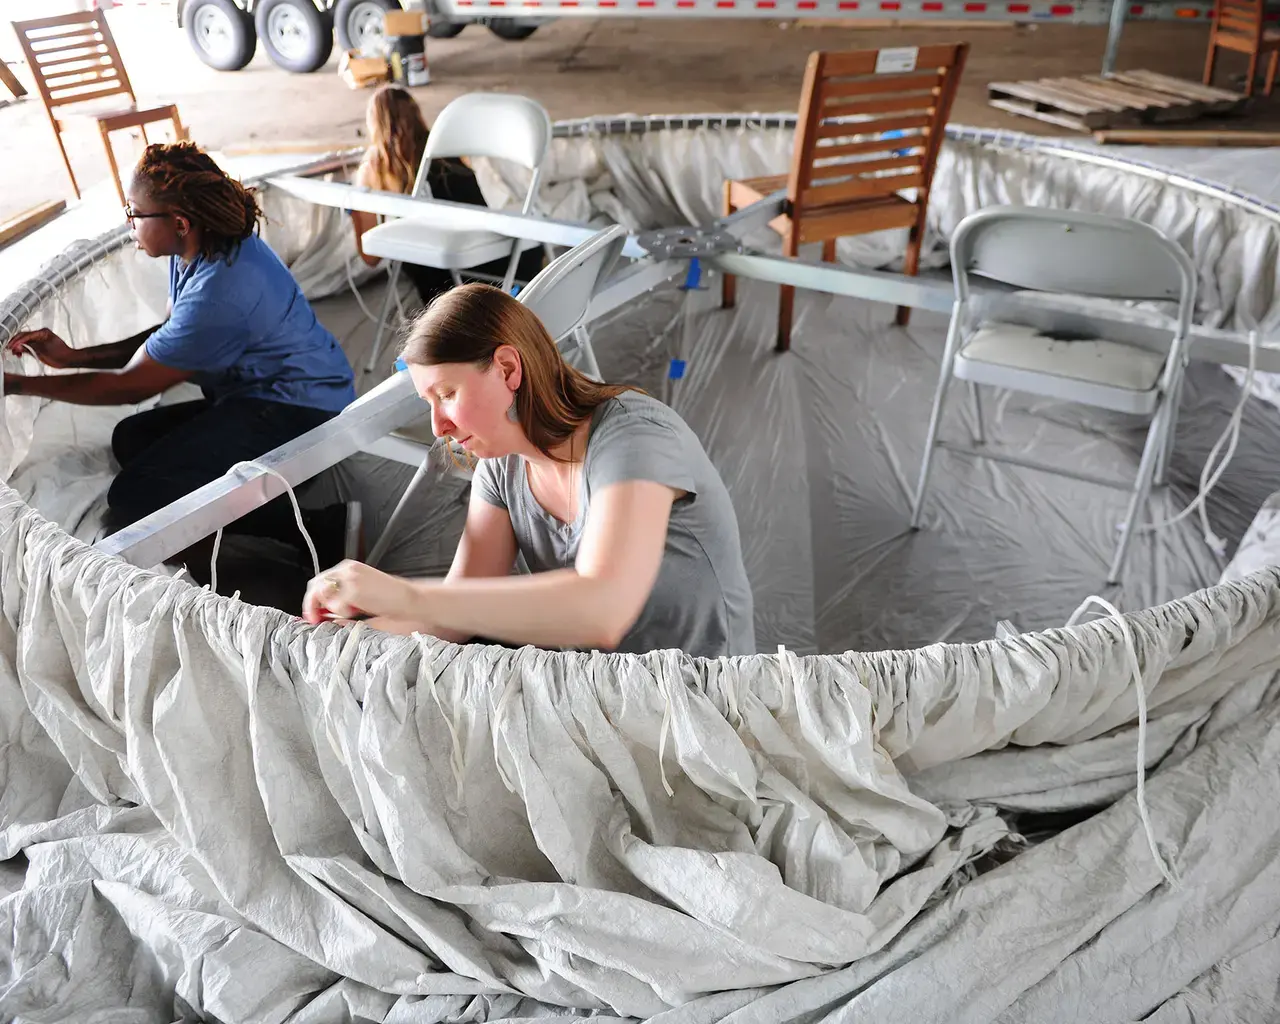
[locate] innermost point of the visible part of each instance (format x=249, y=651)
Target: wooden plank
x=835, y=88
x=10, y=81
x=847, y=129
x=1178, y=86
x=1031, y=110
x=27, y=221
x=1136, y=95
x=883, y=105
x=1039, y=93
x=1185, y=137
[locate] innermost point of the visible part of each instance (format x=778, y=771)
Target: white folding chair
x=1066, y=252
x=479, y=124
x=561, y=294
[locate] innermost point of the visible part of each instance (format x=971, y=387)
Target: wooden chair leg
x=1271, y=72
x=728, y=283
x=111, y=162
x=1210, y=59
x=910, y=267
x=1253, y=73
x=66, y=161
x=179, y=130
x=829, y=251
x=786, y=297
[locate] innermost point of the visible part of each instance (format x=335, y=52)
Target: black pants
x=170, y=451
x=431, y=281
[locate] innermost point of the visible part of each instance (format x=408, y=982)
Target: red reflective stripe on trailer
x=726, y=3
x=848, y=5
x=1019, y=8
x=890, y=5
x=931, y=7
x=975, y=8
x=684, y=3
x=1059, y=10
x=766, y=5
x=807, y=5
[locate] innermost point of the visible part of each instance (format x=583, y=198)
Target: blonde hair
x=469, y=323
x=397, y=141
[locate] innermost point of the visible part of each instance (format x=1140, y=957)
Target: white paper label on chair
x=896, y=58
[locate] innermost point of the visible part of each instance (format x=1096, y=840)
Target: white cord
x=351, y=281
x=1210, y=475
x=1131, y=651
x=297, y=515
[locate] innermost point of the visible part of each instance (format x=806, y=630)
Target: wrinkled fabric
x=241, y=814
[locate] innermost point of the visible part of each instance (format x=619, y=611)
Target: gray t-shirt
x=701, y=602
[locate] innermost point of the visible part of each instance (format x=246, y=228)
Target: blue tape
x=677, y=369
x=515, y=290
x=401, y=364
x=694, y=276
x=896, y=133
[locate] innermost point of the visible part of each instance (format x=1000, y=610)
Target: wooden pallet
x=1122, y=99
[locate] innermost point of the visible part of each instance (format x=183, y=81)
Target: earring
x=513, y=414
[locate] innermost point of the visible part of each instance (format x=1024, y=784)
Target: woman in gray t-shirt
x=604, y=493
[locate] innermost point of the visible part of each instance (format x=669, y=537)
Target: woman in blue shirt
x=238, y=326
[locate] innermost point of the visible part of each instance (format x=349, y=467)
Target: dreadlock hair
x=184, y=178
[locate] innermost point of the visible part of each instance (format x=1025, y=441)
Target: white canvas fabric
x=227, y=810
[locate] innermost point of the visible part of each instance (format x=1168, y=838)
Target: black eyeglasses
x=130, y=214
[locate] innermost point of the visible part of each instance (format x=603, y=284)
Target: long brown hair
x=468, y=324
x=397, y=142
x=184, y=178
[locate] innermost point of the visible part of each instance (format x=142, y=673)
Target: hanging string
x=297, y=515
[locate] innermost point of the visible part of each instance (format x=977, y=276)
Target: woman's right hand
x=45, y=346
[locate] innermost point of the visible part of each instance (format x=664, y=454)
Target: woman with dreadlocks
x=238, y=326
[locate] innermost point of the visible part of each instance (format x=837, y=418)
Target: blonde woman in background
x=397, y=139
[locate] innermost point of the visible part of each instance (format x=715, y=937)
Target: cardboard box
x=361, y=72
x=405, y=23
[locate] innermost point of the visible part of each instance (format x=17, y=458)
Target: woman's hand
x=353, y=590
x=45, y=346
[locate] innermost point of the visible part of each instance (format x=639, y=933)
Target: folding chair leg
x=728, y=283
x=911, y=266
x=935, y=422
x=1141, y=490
x=589, y=364
x=1210, y=59
x=66, y=160
x=388, y=301
x=508, y=279
x=979, y=433
x=388, y=532
x=111, y=162
x=1167, y=438
x=786, y=298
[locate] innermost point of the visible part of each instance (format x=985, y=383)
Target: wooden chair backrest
x=1241, y=19
x=849, y=101
x=73, y=58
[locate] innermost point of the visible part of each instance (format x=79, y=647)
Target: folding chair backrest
x=73, y=58
x=1071, y=252
x=561, y=293
x=871, y=122
x=1240, y=19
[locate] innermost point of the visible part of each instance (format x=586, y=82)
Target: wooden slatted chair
x=870, y=126
x=1239, y=25
x=74, y=60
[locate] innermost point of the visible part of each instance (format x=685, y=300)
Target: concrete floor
x=574, y=67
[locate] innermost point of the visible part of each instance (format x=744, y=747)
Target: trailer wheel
x=358, y=22
x=221, y=34
x=296, y=36
x=510, y=29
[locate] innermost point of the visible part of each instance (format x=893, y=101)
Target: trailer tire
x=296, y=36
x=221, y=34
x=440, y=29
x=510, y=29
x=353, y=20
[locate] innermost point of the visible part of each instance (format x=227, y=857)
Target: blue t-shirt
x=242, y=328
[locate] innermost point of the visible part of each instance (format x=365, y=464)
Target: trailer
x=298, y=35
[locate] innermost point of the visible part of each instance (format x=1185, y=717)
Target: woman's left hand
x=352, y=590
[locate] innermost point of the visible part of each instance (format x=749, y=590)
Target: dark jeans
x=169, y=451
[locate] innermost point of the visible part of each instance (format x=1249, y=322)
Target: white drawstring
x=664, y=731
x=341, y=671
x=1210, y=475
x=297, y=515
x=1131, y=650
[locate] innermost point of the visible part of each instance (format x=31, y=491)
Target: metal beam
x=440, y=213
x=1115, y=26
x=392, y=404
